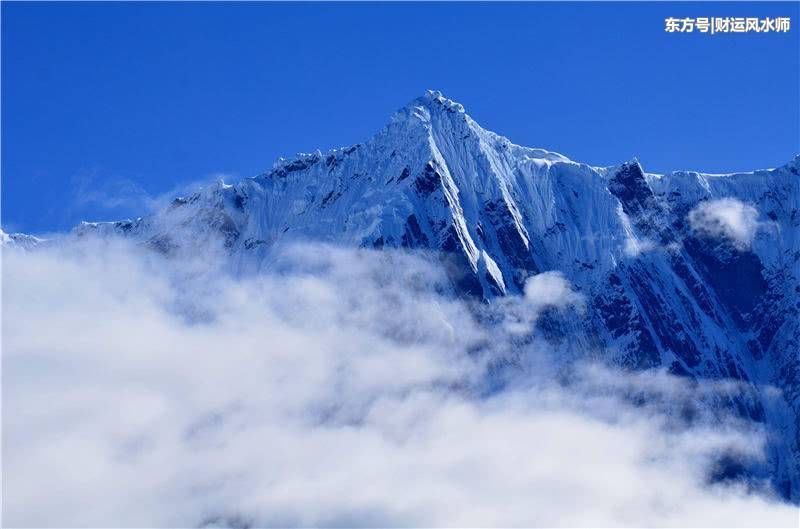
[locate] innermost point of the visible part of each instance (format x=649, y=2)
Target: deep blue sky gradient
x=104, y=105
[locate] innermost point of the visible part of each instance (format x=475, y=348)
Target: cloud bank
x=340, y=389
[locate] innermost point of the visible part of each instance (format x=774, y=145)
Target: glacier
x=660, y=291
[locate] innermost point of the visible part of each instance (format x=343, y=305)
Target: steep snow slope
x=660, y=291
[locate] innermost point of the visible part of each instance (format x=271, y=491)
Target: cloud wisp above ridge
x=340, y=389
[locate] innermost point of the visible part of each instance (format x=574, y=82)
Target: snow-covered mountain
x=695, y=272
x=18, y=240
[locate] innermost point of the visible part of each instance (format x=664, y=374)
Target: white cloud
x=728, y=218
x=551, y=289
x=338, y=390
x=547, y=290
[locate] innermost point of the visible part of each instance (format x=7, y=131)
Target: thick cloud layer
x=338, y=390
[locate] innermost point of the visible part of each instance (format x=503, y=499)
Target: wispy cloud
x=118, y=197
x=111, y=195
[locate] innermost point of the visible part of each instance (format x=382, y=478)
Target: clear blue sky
x=106, y=104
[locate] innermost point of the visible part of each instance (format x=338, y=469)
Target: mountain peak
x=422, y=108
x=434, y=99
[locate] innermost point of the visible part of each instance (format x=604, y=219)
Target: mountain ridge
x=692, y=272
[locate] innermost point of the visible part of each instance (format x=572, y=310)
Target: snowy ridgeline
x=694, y=272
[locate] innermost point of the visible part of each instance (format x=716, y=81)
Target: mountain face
x=666, y=283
